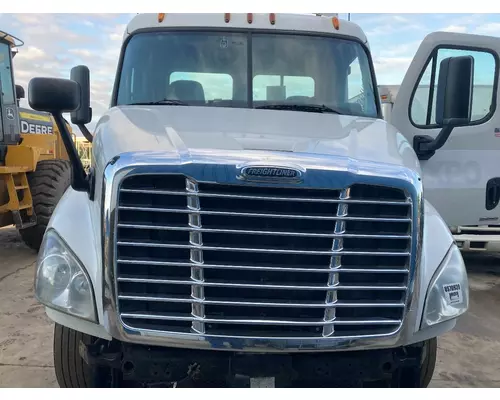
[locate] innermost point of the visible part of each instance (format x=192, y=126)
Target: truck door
x=462, y=178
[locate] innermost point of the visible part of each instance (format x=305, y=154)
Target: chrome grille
x=256, y=261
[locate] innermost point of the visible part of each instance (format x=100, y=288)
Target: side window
x=358, y=100
x=423, y=105
x=215, y=86
x=263, y=85
x=6, y=75
x=354, y=82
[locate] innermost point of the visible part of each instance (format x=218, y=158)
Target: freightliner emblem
x=270, y=173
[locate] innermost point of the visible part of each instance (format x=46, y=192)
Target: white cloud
x=455, y=28
x=28, y=18
x=391, y=70
x=466, y=19
x=399, y=18
x=81, y=52
x=403, y=49
x=491, y=28
x=31, y=53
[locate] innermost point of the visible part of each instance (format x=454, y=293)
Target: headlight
x=448, y=293
x=61, y=281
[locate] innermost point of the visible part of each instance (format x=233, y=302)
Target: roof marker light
x=336, y=23
x=227, y=17
x=250, y=18
x=161, y=17
x=272, y=18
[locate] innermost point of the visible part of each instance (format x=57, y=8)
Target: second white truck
x=469, y=170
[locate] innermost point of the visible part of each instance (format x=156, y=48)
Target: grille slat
x=240, y=260
x=256, y=303
x=263, y=250
x=263, y=268
x=259, y=321
x=267, y=198
x=261, y=215
x=255, y=286
x=258, y=232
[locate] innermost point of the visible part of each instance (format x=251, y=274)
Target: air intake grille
x=254, y=261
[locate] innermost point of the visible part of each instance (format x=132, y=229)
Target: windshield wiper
x=300, y=107
x=166, y=102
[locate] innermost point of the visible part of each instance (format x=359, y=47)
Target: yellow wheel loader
x=34, y=167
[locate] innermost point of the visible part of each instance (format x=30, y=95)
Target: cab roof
x=316, y=23
x=11, y=39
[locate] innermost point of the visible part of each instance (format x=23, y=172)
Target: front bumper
x=157, y=366
x=478, y=243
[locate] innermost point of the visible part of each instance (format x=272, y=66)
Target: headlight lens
x=448, y=293
x=61, y=281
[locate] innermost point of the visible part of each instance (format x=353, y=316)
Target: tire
x=70, y=368
x=426, y=369
x=429, y=363
x=47, y=185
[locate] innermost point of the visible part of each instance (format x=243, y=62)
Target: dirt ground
x=468, y=357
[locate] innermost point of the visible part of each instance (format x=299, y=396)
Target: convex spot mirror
x=83, y=115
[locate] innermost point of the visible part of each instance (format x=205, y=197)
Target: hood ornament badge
x=270, y=173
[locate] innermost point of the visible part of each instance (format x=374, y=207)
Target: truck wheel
x=426, y=370
x=429, y=364
x=47, y=185
x=71, y=370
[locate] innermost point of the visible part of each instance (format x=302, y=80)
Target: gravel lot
x=468, y=356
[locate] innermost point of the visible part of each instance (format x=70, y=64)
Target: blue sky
x=56, y=42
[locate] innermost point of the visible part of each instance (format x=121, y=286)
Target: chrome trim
x=212, y=166
x=324, y=324
x=272, y=198
x=256, y=232
x=266, y=215
x=258, y=303
x=251, y=285
x=261, y=268
x=198, y=247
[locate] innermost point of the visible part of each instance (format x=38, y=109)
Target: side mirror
x=453, y=103
x=20, y=92
x=83, y=115
x=53, y=95
x=58, y=96
x=454, y=91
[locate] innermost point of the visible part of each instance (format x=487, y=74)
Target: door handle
x=492, y=193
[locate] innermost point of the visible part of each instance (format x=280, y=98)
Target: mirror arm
x=85, y=132
x=425, y=146
x=79, y=181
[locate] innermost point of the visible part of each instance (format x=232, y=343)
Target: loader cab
x=9, y=114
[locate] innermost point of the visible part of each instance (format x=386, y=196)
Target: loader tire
x=70, y=368
x=47, y=185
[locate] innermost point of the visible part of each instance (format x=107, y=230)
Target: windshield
x=232, y=69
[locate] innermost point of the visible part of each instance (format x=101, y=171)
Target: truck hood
x=188, y=129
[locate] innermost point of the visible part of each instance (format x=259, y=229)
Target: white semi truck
x=250, y=219
x=481, y=232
